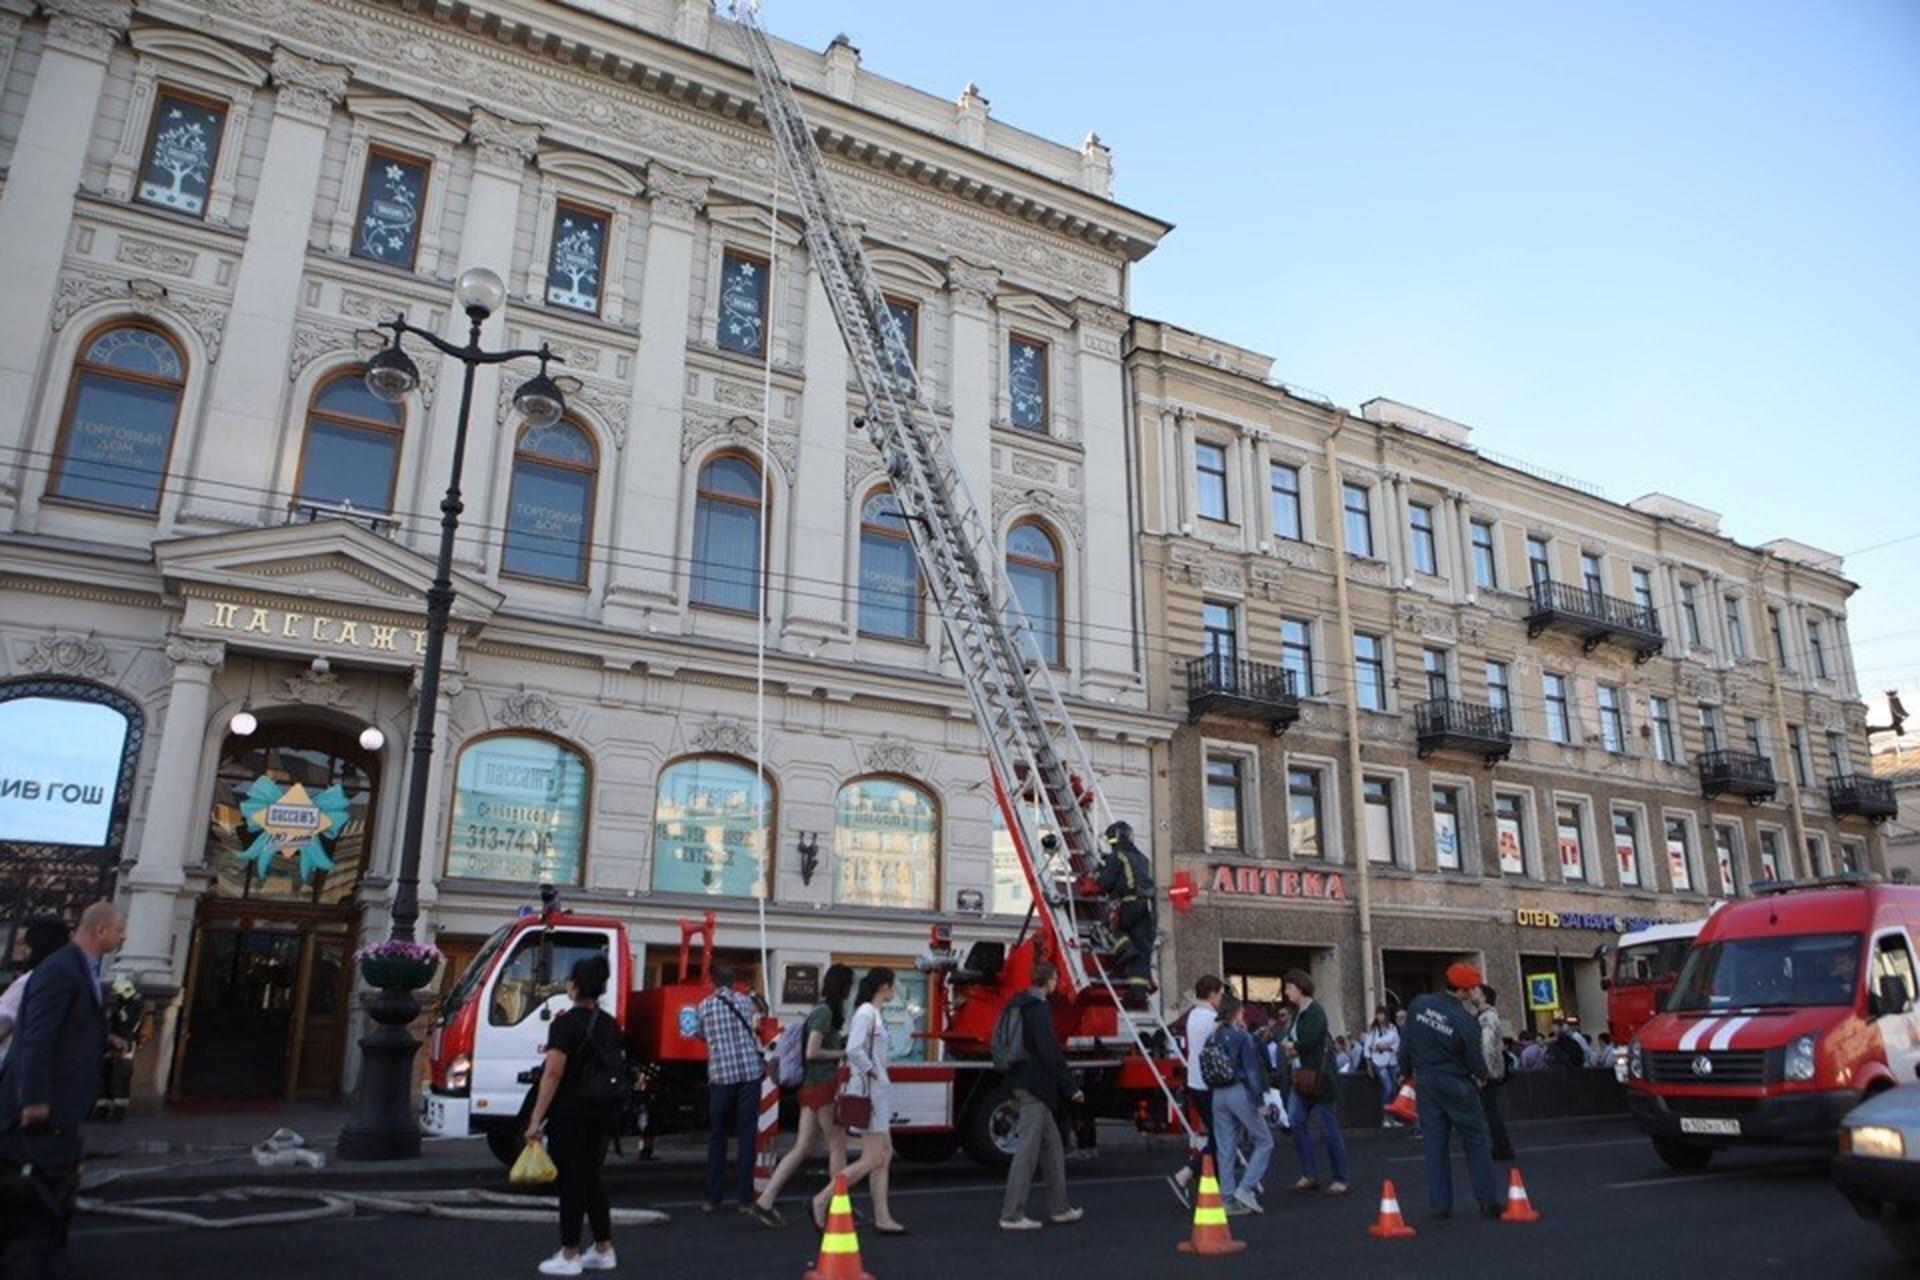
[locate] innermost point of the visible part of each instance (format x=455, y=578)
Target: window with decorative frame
x=1038, y=577
x=182, y=152
x=1210, y=480
x=713, y=828
x=901, y=316
x=1283, y=486
x=577, y=257
x=890, y=604
x=1486, y=574
x=729, y=535
x=744, y=319
x=550, y=503
x=576, y=266
x=1426, y=548
x=1028, y=391
x=393, y=196
x=886, y=843
x=186, y=113
x=121, y=416
x=350, y=456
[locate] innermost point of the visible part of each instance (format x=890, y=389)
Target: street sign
x=1543, y=992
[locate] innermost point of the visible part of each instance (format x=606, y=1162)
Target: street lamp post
x=383, y=1126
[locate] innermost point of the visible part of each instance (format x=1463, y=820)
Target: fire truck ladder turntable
x=1030, y=739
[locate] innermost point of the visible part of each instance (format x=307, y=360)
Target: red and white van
x=1790, y=1008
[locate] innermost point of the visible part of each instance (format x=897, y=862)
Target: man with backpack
x=1236, y=1072
x=1027, y=1053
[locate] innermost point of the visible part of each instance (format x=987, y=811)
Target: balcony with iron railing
x=1736, y=773
x=1595, y=617
x=1862, y=797
x=1448, y=724
x=1220, y=684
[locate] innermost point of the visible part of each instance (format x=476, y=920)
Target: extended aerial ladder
x=1039, y=765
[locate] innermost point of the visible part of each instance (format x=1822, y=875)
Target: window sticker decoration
x=575, y=263
x=390, y=202
x=1027, y=384
x=293, y=822
x=743, y=304
x=180, y=156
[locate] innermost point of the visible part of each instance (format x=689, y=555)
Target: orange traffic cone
x=1389, y=1225
x=1210, y=1234
x=1404, y=1107
x=839, y=1249
x=1519, y=1208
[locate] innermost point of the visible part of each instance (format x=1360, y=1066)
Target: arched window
x=117, y=431
x=550, y=507
x=520, y=805
x=889, y=571
x=352, y=449
x=886, y=845
x=1033, y=566
x=727, y=537
x=713, y=828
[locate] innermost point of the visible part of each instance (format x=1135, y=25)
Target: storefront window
x=904, y=1016
x=713, y=828
x=291, y=807
x=886, y=844
x=519, y=811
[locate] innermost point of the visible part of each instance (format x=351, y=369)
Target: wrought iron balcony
x=1863, y=797
x=1446, y=724
x=1237, y=687
x=1736, y=773
x=1594, y=616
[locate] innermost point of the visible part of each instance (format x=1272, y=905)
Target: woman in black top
x=578, y=1134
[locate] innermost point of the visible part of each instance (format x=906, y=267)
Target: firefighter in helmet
x=1126, y=877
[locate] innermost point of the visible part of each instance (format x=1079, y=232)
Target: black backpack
x=1009, y=1045
x=607, y=1080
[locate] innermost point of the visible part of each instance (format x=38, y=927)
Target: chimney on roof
x=843, y=67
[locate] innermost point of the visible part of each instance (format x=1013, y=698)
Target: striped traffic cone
x=839, y=1248
x=1389, y=1225
x=1519, y=1208
x=1405, y=1106
x=1210, y=1234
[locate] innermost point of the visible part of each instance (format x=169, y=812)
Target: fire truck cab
x=1789, y=1009
x=1641, y=969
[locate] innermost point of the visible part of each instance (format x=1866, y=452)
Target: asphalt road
x=1610, y=1208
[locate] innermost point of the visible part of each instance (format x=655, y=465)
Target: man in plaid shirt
x=735, y=1064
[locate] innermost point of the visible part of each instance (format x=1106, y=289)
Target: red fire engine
x=1790, y=1008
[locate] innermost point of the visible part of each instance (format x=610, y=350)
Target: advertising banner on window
x=519, y=812
x=1573, y=862
x=1723, y=854
x=886, y=845
x=1629, y=855
x=1446, y=840
x=1513, y=858
x=710, y=829
x=59, y=770
x=1677, y=860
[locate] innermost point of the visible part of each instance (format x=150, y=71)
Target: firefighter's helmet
x=1119, y=833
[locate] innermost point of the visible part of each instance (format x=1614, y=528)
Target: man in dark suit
x=47, y=1087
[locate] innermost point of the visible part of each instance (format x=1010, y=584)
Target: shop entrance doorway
x=1253, y=970
x=1581, y=995
x=1418, y=973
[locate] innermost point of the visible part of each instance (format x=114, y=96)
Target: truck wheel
x=926, y=1148
x=987, y=1132
x=505, y=1143
x=1682, y=1157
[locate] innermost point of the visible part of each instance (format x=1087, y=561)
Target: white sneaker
x=1021, y=1223
x=594, y=1260
x=560, y=1265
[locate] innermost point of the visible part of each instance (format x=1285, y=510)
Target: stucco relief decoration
x=1035, y=469
x=156, y=257
x=305, y=87
x=68, y=655
x=88, y=27
x=737, y=395
x=892, y=755
x=529, y=709
x=311, y=341
x=1360, y=569
x=503, y=143
x=1009, y=498
x=1424, y=621
x=863, y=461
x=783, y=441
x=81, y=289
x=1293, y=554
x=674, y=193
x=208, y=653
x=610, y=405
x=316, y=689
x=971, y=285
x=725, y=735
x=1206, y=569
x=1699, y=688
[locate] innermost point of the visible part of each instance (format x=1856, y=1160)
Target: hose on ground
x=471, y=1205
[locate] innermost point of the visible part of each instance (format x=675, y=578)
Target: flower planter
x=397, y=973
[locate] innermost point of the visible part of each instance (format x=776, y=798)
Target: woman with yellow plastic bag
x=577, y=1133
x=533, y=1167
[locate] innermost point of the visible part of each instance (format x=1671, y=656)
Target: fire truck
x=1790, y=1007
x=1641, y=969
x=491, y=1031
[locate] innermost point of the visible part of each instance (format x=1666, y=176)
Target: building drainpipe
x=1356, y=788
x=1802, y=857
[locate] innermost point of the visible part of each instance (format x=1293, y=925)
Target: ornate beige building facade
x=207, y=523
x=1440, y=706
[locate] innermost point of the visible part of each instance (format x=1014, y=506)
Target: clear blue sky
x=1654, y=246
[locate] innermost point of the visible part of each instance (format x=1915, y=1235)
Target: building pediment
x=295, y=574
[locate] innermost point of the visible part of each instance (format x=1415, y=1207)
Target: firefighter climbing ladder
x=1031, y=743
